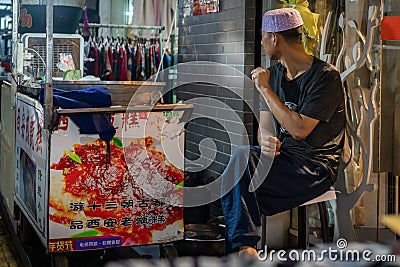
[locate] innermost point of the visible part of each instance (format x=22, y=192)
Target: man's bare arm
x=298, y=125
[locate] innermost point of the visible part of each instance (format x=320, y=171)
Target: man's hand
x=270, y=146
x=260, y=77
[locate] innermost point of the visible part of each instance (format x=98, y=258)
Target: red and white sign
x=100, y=195
x=31, y=156
x=201, y=7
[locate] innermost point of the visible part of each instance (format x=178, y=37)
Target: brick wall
x=227, y=38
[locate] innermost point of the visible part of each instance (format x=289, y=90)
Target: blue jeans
x=291, y=181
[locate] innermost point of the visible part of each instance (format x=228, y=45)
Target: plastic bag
x=66, y=62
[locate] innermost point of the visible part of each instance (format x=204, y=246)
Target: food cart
x=81, y=193
x=117, y=183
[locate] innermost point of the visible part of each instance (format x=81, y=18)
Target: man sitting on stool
x=305, y=97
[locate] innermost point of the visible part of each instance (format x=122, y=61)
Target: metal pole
x=108, y=25
x=15, y=31
x=14, y=45
x=48, y=98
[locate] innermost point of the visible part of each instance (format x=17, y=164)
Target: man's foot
x=247, y=251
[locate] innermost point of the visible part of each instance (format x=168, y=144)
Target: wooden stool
x=303, y=230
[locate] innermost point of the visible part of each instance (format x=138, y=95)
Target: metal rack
x=159, y=29
x=125, y=26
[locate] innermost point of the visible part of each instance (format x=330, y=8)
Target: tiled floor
x=7, y=251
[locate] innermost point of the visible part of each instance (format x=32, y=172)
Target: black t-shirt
x=291, y=92
x=320, y=96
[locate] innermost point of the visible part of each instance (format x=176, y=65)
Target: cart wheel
x=59, y=260
x=170, y=252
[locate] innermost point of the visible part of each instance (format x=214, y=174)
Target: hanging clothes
x=122, y=65
x=111, y=60
x=133, y=65
x=96, y=61
x=107, y=65
x=120, y=60
x=141, y=57
x=90, y=65
x=129, y=61
x=167, y=60
x=115, y=63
